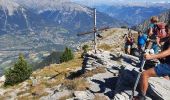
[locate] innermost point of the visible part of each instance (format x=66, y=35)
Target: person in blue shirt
x=142, y=38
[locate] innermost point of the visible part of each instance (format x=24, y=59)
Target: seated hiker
x=128, y=42
x=142, y=38
x=162, y=69
x=161, y=33
x=152, y=35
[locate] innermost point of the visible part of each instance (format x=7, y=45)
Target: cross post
x=95, y=30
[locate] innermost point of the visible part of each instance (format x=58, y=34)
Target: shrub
x=54, y=57
x=85, y=48
x=18, y=73
x=67, y=55
x=124, y=27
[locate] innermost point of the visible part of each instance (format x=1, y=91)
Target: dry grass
x=2, y=97
x=61, y=68
x=98, y=97
x=66, y=97
x=109, y=33
x=77, y=84
x=94, y=71
x=25, y=97
x=38, y=89
x=105, y=46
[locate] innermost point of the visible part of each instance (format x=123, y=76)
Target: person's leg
x=159, y=70
x=167, y=77
x=144, y=79
x=128, y=49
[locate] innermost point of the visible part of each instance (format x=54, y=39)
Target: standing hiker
x=129, y=40
x=142, y=38
x=162, y=69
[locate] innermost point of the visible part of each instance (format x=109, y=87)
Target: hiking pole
x=138, y=77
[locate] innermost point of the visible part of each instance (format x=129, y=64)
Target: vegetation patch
x=98, y=97
x=19, y=73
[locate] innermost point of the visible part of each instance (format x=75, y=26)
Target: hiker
x=152, y=35
x=162, y=69
x=142, y=38
x=128, y=42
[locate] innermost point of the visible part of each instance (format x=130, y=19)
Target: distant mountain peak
x=9, y=5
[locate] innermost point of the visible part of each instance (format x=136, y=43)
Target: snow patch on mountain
x=10, y=6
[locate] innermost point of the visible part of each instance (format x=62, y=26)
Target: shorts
x=162, y=70
x=128, y=46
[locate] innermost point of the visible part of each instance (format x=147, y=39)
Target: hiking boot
x=139, y=98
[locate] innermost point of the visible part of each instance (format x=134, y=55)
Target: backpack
x=160, y=30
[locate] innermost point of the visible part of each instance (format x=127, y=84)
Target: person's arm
x=160, y=55
x=150, y=31
x=158, y=41
x=129, y=38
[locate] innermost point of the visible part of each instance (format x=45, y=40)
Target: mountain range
x=163, y=17
x=35, y=26
x=132, y=13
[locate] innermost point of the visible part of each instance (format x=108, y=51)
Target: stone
x=57, y=95
x=88, y=66
x=115, y=72
x=159, y=88
x=119, y=97
x=125, y=95
x=94, y=87
x=83, y=95
x=2, y=78
x=90, y=69
x=102, y=62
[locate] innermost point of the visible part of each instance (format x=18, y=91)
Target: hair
x=154, y=19
x=167, y=26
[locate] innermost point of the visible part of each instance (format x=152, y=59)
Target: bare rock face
x=83, y=95
x=159, y=88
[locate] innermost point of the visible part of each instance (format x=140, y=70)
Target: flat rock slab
x=160, y=88
x=57, y=95
x=83, y=95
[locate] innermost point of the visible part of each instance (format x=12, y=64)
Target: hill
x=133, y=13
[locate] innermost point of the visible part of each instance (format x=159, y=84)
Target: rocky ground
x=116, y=82
x=107, y=74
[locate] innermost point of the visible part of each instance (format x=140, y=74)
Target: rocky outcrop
x=116, y=82
x=110, y=76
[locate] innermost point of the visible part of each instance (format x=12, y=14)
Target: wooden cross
x=95, y=30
